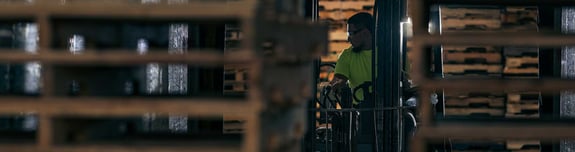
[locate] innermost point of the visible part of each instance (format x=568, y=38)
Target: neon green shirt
x=356, y=67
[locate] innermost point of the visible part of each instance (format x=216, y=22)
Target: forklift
x=393, y=95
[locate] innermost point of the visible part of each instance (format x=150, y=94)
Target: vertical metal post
x=309, y=141
x=387, y=71
x=567, y=65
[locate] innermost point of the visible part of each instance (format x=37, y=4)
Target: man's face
x=357, y=36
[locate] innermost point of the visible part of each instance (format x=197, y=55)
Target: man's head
x=360, y=29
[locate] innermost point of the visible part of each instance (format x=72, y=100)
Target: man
x=354, y=65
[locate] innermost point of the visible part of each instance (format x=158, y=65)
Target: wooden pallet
x=521, y=71
x=475, y=102
x=520, y=14
x=523, y=144
x=471, y=68
x=518, y=62
x=461, y=57
x=474, y=94
x=520, y=51
x=523, y=97
x=470, y=13
x=492, y=112
x=337, y=15
x=235, y=77
x=471, y=24
x=469, y=49
x=345, y=5
x=523, y=108
x=525, y=66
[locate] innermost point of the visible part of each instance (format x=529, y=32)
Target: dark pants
x=365, y=125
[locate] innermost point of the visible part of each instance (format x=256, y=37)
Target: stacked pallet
x=521, y=61
x=457, y=19
x=336, y=13
x=472, y=60
x=235, y=79
x=235, y=75
x=481, y=104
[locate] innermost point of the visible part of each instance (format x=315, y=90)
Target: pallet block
x=525, y=96
x=523, y=108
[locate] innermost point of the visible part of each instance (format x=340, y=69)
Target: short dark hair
x=364, y=20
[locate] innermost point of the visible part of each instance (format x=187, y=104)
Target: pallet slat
x=482, y=49
x=460, y=57
x=516, y=62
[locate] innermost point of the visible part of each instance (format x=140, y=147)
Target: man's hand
x=337, y=82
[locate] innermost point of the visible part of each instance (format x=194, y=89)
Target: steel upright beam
x=387, y=70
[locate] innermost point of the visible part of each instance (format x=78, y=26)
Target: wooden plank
x=516, y=62
x=19, y=148
x=460, y=57
x=482, y=101
x=186, y=10
x=90, y=106
x=206, y=147
x=344, y=5
x=522, y=116
x=464, y=68
x=534, y=71
x=522, y=144
x=471, y=24
x=338, y=36
x=473, y=111
x=477, y=48
x=119, y=57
